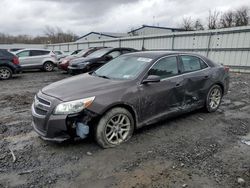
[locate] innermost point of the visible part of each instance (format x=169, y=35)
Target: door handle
x=178, y=85
x=206, y=77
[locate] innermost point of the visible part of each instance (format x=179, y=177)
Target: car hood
x=82, y=60
x=82, y=86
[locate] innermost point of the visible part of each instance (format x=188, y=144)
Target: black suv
x=9, y=65
x=96, y=59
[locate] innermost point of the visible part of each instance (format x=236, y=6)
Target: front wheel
x=48, y=66
x=114, y=128
x=213, y=99
x=5, y=73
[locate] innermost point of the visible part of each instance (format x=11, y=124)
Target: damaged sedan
x=127, y=93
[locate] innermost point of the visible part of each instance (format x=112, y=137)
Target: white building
x=100, y=36
x=152, y=30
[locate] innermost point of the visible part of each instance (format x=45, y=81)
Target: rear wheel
x=48, y=66
x=213, y=99
x=5, y=73
x=114, y=128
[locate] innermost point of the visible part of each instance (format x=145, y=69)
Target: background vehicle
x=37, y=59
x=64, y=63
x=96, y=59
x=9, y=65
x=129, y=92
x=60, y=54
x=14, y=49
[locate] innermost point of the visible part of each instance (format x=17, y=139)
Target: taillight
x=226, y=68
x=15, y=60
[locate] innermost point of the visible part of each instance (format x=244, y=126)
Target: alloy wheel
x=4, y=73
x=117, y=129
x=49, y=67
x=214, y=98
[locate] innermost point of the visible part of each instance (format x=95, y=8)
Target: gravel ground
x=194, y=150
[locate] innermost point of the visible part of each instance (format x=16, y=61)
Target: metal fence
x=9, y=46
x=229, y=46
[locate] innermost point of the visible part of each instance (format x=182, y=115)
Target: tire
x=115, y=127
x=48, y=66
x=213, y=98
x=5, y=73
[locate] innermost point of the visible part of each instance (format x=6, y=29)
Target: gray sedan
x=127, y=93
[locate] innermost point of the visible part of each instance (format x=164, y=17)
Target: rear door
x=196, y=74
x=25, y=58
x=37, y=57
x=165, y=97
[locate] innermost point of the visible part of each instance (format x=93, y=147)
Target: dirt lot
x=194, y=150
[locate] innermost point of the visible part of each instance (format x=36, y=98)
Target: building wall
x=93, y=37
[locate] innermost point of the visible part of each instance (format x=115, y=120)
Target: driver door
x=160, y=99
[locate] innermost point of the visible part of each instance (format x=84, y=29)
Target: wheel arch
x=221, y=85
x=126, y=106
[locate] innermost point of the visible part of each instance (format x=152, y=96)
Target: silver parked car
x=37, y=59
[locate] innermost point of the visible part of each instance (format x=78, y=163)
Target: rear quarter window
x=39, y=52
x=192, y=63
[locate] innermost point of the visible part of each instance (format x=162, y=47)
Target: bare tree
x=242, y=16
x=187, y=24
x=227, y=19
x=213, y=19
x=198, y=25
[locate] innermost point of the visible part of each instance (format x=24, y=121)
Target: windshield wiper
x=101, y=76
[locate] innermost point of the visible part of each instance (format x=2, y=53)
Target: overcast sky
x=82, y=16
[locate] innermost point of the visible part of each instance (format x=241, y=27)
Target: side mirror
x=151, y=78
x=108, y=57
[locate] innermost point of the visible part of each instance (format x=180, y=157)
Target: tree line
x=217, y=20
x=51, y=35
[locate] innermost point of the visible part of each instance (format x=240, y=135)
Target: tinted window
x=58, y=52
x=165, y=67
x=24, y=54
x=114, y=54
x=126, y=51
x=5, y=53
x=192, y=63
x=38, y=52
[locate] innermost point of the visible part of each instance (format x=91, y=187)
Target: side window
x=165, y=67
x=38, y=52
x=192, y=63
x=126, y=51
x=114, y=54
x=23, y=54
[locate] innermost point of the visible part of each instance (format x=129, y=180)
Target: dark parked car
x=127, y=93
x=96, y=59
x=9, y=65
x=64, y=63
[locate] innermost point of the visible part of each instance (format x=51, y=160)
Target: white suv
x=37, y=59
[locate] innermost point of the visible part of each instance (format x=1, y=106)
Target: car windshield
x=81, y=53
x=123, y=68
x=99, y=53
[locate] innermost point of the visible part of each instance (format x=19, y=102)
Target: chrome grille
x=41, y=106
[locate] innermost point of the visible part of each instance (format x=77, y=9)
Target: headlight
x=84, y=64
x=72, y=107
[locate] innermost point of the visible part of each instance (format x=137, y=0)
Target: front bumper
x=77, y=70
x=63, y=66
x=56, y=127
x=51, y=127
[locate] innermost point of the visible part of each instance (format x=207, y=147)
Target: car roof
x=158, y=54
x=32, y=49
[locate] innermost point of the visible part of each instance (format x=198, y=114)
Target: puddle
x=246, y=139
